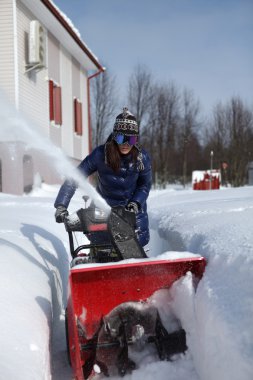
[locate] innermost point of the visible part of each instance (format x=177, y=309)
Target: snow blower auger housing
x=108, y=311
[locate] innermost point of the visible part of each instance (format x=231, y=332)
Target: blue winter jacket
x=129, y=184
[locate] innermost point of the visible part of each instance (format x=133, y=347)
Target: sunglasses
x=123, y=139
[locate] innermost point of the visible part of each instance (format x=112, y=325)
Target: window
x=55, y=109
x=78, y=117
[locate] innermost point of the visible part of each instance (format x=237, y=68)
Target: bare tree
x=140, y=92
x=160, y=131
x=231, y=138
x=103, y=105
x=240, y=124
x=187, y=131
x=217, y=136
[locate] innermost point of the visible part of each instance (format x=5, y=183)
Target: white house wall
x=76, y=83
x=67, y=134
x=7, y=76
x=33, y=86
x=84, y=97
x=81, y=143
x=76, y=78
x=53, y=59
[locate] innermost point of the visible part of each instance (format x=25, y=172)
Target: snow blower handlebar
x=120, y=225
x=87, y=220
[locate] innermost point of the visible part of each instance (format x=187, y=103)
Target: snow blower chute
x=107, y=312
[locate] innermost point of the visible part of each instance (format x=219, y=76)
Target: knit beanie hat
x=126, y=124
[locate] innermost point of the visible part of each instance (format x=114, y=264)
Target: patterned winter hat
x=126, y=124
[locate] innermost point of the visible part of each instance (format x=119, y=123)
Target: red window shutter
x=78, y=117
x=51, y=100
x=57, y=106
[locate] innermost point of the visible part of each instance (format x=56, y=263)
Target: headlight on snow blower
x=100, y=214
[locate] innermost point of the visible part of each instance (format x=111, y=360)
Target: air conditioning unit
x=37, y=45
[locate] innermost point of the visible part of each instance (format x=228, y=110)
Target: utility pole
x=211, y=168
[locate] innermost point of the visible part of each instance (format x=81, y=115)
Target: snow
x=217, y=317
x=67, y=19
x=34, y=267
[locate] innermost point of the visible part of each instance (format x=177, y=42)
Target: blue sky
x=204, y=45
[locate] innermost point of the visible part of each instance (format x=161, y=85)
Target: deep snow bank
x=218, y=318
x=33, y=282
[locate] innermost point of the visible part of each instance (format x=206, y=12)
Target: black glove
x=60, y=214
x=133, y=207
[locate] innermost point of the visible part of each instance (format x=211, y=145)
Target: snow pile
x=67, y=19
x=217, y=317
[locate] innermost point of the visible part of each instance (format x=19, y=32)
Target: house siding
x=81, y=143
x=7, y=72
x=55, y=131
x=67, y=106
x=33, y=86
x=84, y=99
x=76, y=78
x=77, y=140
x=53, y=58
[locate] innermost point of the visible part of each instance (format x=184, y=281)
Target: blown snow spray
x=14, y=127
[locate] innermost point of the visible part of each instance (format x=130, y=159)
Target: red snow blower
x=107, y=313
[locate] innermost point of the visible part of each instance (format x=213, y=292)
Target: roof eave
x=75, y=37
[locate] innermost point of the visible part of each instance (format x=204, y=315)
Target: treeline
x=173, y=129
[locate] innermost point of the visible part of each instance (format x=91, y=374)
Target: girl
x=124, y=174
